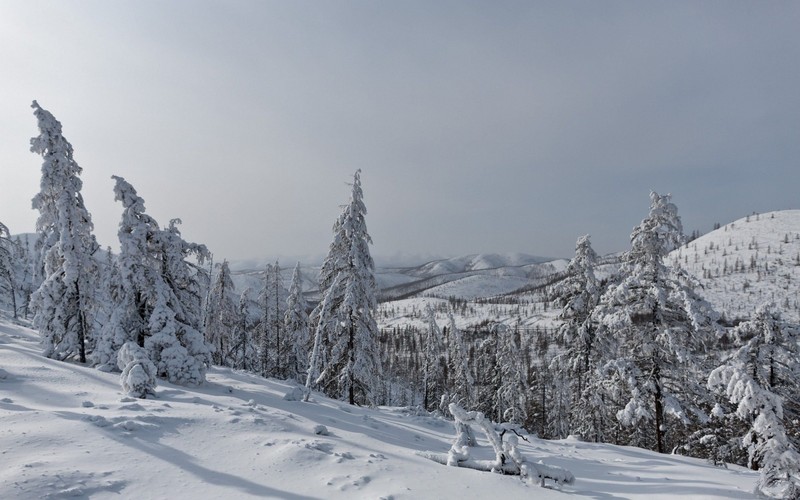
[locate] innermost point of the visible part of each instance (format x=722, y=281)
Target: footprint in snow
x=134, y=425
x=340, y=457
x=346, y=482
x=97, y=420
x=326, y=448
x=132, y=407
x=361, y=481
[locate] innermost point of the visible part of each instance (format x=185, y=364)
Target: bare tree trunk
x=659, y=404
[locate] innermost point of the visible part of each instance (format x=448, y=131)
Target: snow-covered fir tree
x=434, y=382
x=273, y=344
x=511, y=381
x=577, y=295
x=462, y=383
x=344, y=319
x=654, y=330
x=7, y=269
x=24, y=273
x=296, y=328
x=105, y=291
x=138, y=272
x=176, y=344
x=64, y=301
x=222, y=315
x=160, y=300
x=758, y=377
x=244, y=351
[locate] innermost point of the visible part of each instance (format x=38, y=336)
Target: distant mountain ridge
x=511, y=271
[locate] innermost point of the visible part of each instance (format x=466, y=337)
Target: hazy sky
x=479, y=126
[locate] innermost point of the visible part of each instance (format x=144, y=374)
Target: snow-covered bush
x=138, y=377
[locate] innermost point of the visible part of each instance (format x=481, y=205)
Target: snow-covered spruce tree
x=462, y=383
x=272, y=345
x=512, y=382
x=105, y=291
x=137, y=274
x=279, y=296
x=266, y=358
x=176, y=344
x=244, y=351
x=324, y=321
x=7, y=281
x=23, y=275
x=65, y=299
x=577, y=295
x=160, y=300
x=222, y=316
x=433, y=368
x=757, y=378
x=296, y=328
x=654, y=329
x=344, y=318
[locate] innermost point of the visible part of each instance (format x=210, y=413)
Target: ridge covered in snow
x=746, y=263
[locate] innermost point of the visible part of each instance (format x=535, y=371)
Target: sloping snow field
x=748, y=262
x=68, y=432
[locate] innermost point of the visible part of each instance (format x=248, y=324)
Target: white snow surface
x=473, y=287
x=749, y=262
x=68, y=431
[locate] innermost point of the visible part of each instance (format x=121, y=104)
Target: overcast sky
x=479, y=126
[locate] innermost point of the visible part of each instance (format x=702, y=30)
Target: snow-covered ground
x=68, y=432
x=473, y=287
x=748, y=262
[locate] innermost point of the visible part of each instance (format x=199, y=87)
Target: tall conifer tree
x=65, y=300
x=653, y=328
x=344, y=318
x=296, y=328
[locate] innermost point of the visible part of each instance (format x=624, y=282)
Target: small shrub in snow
x=138, y=378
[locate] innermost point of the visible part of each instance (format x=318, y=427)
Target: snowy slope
x=473, y=287
x=750, y=261
x=68, y=432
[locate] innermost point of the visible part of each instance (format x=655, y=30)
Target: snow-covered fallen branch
x=508, y=458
